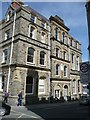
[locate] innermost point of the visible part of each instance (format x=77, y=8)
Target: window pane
x=29, y=85
x=32, y=32
x=32, y=18
x=42, y=54
x=5, y=55
x=41, y=86
x=30, y=55
x=57, y=67
x=57, y=52
x=65, y=70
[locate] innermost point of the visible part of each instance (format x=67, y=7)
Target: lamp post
x=88, y=21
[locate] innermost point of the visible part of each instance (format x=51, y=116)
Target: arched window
x=29, y=84
x=57, y=69
x=42, y=58
x=30, y=56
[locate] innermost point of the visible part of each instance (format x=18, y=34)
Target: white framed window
x=5, y=54
x=32, y=32
x=65, y=71
x=41, y=86
x=7, y=34
x=43, y=37
x=30, y=55
x=29, y=85
x=42, y=58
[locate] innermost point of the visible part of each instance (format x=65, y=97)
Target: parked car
x=84, y=100
x=4, y=108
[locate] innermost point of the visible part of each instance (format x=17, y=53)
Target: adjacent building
x=65, y=60
x=38, y=56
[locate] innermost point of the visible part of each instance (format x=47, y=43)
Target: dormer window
x=43, y=37
x=7, y=34
x=8, y=16
x=32, y=32
x=43, y=24
x=32, y=18
x=63, y=37
x=76, y=45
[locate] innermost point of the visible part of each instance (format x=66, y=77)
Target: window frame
x=43, y=37
x=42, y=58
x=28, y=77
x=32, y=18
x=32, y=32
x=1, y=82
x=31, y=55
x=57, y=52
x=57, y=69
x=41, y=86
x=7, y=34
x=5, y=55
x=65, y=71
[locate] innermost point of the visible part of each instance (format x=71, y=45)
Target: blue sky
x=73, y=14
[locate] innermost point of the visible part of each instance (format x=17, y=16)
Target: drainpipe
x=9, y=71
x=49, y=62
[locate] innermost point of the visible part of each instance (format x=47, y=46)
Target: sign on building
x=84, y=72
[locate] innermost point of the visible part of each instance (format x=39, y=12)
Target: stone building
x=25, y=51
x=65, y=60
x=38, y=56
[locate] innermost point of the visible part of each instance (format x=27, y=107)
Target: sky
x=72, y=12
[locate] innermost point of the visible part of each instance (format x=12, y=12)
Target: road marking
x=23, y=114
x=30, y=116
x=19, y=116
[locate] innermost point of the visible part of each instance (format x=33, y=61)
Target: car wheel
x=2, y=111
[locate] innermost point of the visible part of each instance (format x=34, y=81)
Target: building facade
x=39, y=56
x=65, y=60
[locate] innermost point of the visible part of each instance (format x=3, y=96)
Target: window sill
x=57, y=75
x=65, y=76
x=42, y=65
x=4, y=62
x=1, y=90
x=30, y=63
